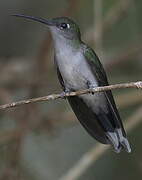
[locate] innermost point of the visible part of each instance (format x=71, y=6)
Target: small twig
x=137, y=84
x=96, y=152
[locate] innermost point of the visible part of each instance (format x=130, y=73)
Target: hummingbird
x=78, y=67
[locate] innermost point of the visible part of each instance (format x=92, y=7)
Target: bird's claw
x=91, y=86
x=64, y=93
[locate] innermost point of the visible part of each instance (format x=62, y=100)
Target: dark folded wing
x=98, y=71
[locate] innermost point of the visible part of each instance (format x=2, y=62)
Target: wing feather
x=99, y=72
x=113, y=115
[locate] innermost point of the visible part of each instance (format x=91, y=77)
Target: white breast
x=74, y=69
x=76, y=72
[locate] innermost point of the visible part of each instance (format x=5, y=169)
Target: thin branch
x=96, y=152
x=137, y=84
x=123, y=100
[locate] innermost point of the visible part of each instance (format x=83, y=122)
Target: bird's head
x=60, y=27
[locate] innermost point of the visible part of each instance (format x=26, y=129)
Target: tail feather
x=118, y=141
x=99, y=124
x=112, y=136
x=123, y=140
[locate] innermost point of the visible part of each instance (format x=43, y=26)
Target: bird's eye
x=64, y=26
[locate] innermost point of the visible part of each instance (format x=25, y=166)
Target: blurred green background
x=43, y=141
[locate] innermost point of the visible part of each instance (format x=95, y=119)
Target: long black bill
x=38, y=19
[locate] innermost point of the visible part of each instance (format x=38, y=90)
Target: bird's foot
x=91, y=86
x=64, y=93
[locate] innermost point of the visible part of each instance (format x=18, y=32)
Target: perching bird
x=78, y=67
